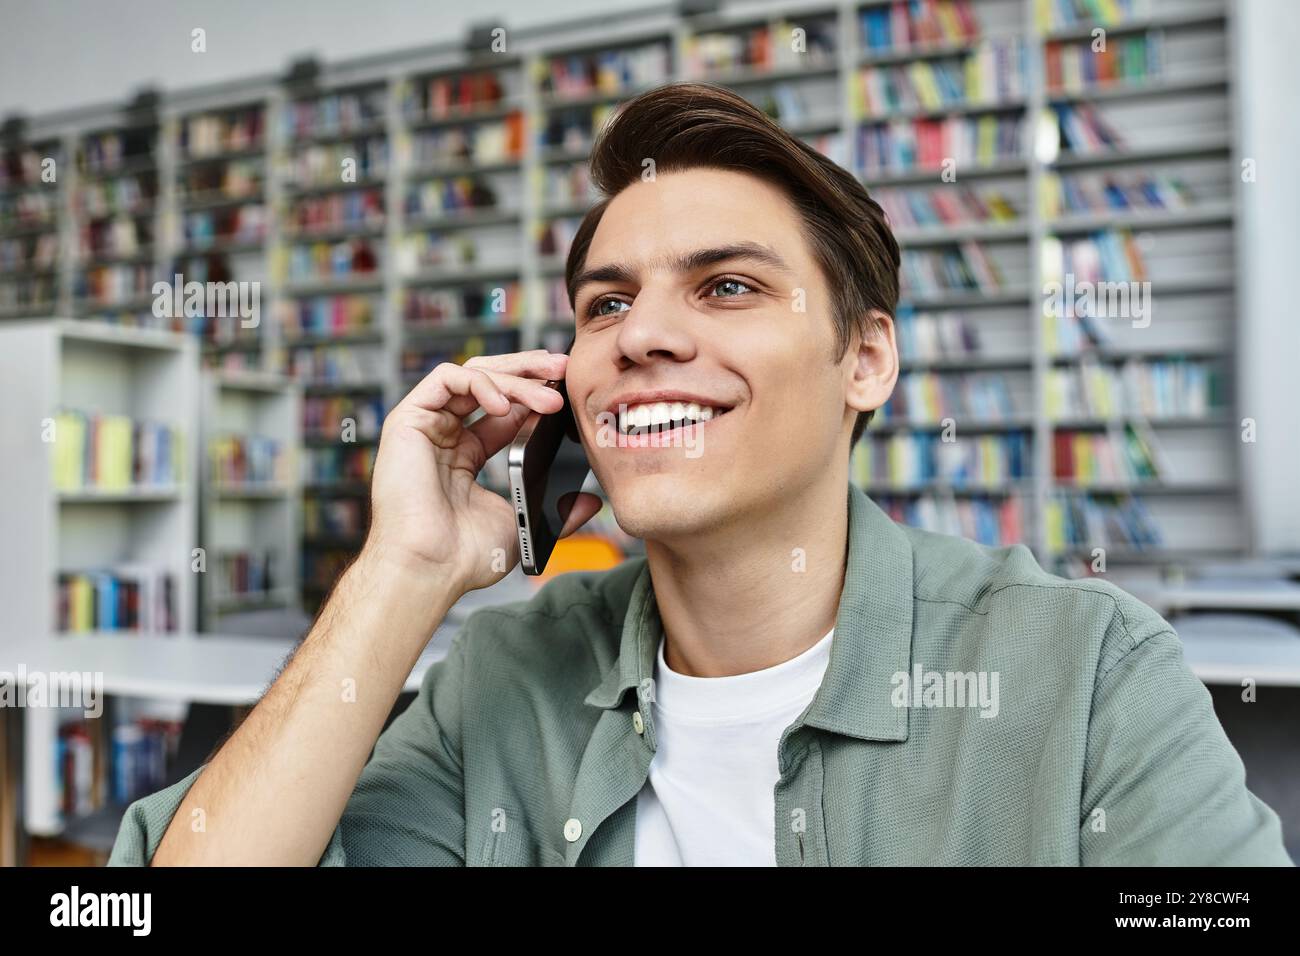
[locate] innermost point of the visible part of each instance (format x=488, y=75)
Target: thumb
x=579, y=507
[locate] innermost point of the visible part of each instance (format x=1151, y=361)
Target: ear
x=871, y=365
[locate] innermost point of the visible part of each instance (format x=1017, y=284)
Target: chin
x=663, y=507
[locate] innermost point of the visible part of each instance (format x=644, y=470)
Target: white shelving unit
x=60, y=364
x=1178, y=121
x=249, y=518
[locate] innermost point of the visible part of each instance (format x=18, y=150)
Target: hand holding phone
x=547, y=470
x=430, y=519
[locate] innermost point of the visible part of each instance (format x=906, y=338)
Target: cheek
x=579, y=382
x=796, y=391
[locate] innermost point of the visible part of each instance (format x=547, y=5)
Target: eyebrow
x=684, y=263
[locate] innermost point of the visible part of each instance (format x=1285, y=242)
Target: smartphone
x=546, y=462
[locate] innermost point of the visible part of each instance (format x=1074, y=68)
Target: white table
x=201, y=668
x=1223, y=651
x=206, y=668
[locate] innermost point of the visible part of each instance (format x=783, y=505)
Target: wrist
x=405, y=583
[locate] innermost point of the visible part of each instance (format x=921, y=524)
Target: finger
x=537, y=363
x=459, y=390
x=494, y=433
x=466, y=391
x=448, y=380
x=535, y=394
x=485, y=392
x=582, y=507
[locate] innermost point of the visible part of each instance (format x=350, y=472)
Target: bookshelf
x=249, y=490
x=1070, y=445
x=939, y=108
x=119, y=212
x=108, y=527
x=463, y=213
x=218, y=225
x=446, y=239
x=1138, y=187
x=33, y=226
x=336, y=266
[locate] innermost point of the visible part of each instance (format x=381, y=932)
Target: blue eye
x=735, y=287
x=597, y=308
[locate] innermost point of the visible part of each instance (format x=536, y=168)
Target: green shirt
x=528, y=743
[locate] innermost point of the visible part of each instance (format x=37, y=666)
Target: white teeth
x=662, y=413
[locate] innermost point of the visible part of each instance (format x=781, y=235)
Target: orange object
x=582, y=552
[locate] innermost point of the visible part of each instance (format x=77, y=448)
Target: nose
x=656, y=326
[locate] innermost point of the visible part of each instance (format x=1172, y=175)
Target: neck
x=755, y=593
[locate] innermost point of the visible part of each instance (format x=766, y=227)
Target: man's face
x=701, y=289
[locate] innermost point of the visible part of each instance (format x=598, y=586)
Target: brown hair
x=688, y=125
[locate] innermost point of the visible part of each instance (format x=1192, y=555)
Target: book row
x=992, y=73
x=114, y=453
x=1175, y=388
x=247, y=460
x=134, y=598
x=931, y=397
x=908, y=461
x=246, y=573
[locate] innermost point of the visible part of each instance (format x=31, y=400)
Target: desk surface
x=226, y=669
x=214, y=668
x=205, y=668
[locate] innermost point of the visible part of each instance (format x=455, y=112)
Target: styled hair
x=684, y=126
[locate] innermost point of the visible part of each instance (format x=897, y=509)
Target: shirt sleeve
x=406, y=809
x=1162, y=784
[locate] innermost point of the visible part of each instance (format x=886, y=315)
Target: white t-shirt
x=709, y=800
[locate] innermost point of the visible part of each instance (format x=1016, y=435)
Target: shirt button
x=638, y=722
x=572, y=829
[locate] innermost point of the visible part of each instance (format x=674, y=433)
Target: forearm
x=275, y=791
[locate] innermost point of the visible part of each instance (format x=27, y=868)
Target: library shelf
x=1211, y=145
x=963, y=424
x=934, y=175
x=956, y=232
x=249, y=516
x=1204, y=214
x=1125, y=90
x=1212, y=16
x=53, y=369
x=551, y=80
x=135, y=495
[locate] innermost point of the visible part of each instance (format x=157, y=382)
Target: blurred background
x=1094, y=198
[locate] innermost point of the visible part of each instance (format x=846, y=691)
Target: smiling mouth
x=655, y=418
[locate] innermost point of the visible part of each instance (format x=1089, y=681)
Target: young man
x=788, y=677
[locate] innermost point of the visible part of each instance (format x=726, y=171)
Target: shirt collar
x=872, y=643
